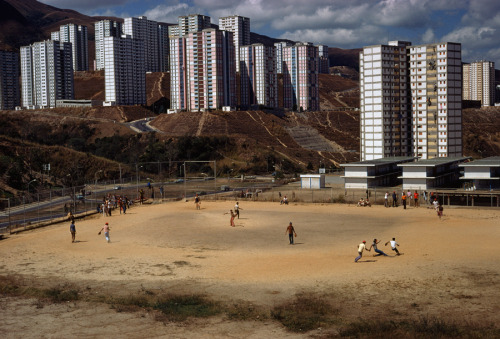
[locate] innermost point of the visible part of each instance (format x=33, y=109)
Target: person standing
x=415, y=199
x=237, y=209
x=361, y=248
x=374, y=246
x=106, y=229
x=291, y=233
x=394, y=245
x=440, y=211
x=72, y=230
x=386, y=199
x=394, y=199
x=197, y=201
x=231, y=221
x=403, y=199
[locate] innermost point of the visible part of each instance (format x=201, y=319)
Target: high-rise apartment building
x=146, y=31
x=47, y=73
x=202, y=70
x=324, y=63
x=163, y=48
x=258, y=78
x=124, y=71
x=240, y=26
x=300, y=77
x=411, y=100
x=436, y=99
x=279, y=55
x=9, y=80
x=385, y=113
x=193, y=23
x=78, y=37
x=479, y=82
x=103, y=29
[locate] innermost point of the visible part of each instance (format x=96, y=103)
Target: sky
x=336, y=23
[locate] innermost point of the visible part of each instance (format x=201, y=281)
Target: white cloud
x=165, y=13
x=429, y=36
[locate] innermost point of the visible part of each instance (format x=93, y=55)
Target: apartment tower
x=240, y=26
x=258, y=77
x=9, y=80
x=300, y=77
x=47, y=73
x=385, y=114
x=103, y=29
x=324, y=63
x=77, y=35
x=124, y=71
x=278, y=46
x=479, y=82
x=146, y=31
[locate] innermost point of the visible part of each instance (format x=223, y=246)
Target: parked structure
x=240, y=26
x=479, y=82
x=258, y=78
x=9, y=80
x=77, y=35
x=47, y=73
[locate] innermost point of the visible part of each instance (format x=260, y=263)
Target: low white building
x=483, y=174
x=431, y=173
x=383, y=172
x=312, y=181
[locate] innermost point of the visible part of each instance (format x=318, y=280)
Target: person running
x=361, y=247
x=197, y=201
x=72, y=229
x=106, y=229
x=393, y=245
x=237, y=209
x=374, y=246
x=440, y=211
x=291, y=232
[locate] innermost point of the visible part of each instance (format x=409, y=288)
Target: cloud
x=429, y=36
x=166, y=13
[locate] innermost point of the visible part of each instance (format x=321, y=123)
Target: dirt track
x=449, y=267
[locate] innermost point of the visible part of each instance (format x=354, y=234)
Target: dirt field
x=449, y=270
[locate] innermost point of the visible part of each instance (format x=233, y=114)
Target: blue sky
x=336, y=23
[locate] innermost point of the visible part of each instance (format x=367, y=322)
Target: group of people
x=362, y=247
x=234, y=214
x=363, y=203
x=111, y=202
x=407, y=198
x=105, y=228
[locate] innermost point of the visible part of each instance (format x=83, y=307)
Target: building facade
x=47, y=73
x=77, y=35
x=124, y=71
x=103, y=29
x=190, y=23
x=385, y=114
x=436, y=100
x=300, y=77
x=145, y=30
x=9, y=80
x=163, y=48
x=279, y=55
x=240, y=26
x=258, y=77
x=202, y=70
x=479, y=82
x=324, y=62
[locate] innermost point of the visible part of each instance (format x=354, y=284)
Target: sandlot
x=449, y=271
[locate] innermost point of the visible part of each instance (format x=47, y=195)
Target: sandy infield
x=449, y=269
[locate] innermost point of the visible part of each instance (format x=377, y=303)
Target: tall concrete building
x=47, y=73
x=258, y=77
x=202, y=70
x=9, y=80
x=411, y=100
x=479, y=82
x=300, y=77
x=163, y=48
x=124, y=71
x=436, y=100
x=77, y=35
x=146, y=31
x=324, y=63
x=279, y=54
x=385, y=113
x=103, y=29
x=240, y=26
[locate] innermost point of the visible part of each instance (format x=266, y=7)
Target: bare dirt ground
x=449, y=269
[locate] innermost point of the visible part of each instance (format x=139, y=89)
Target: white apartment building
x=202, y=70
x=147, y=31
x=279, y=55
x=240, y=26
x=9, y=80
x=479, y=82
x=324, y=62
x=103, y=29
x=189, y=23
x=124, y=71
x=300, y=77
x=258, y=77
x=385, y=117
x=436, y=100
x=47, y=73
x=77, y=35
